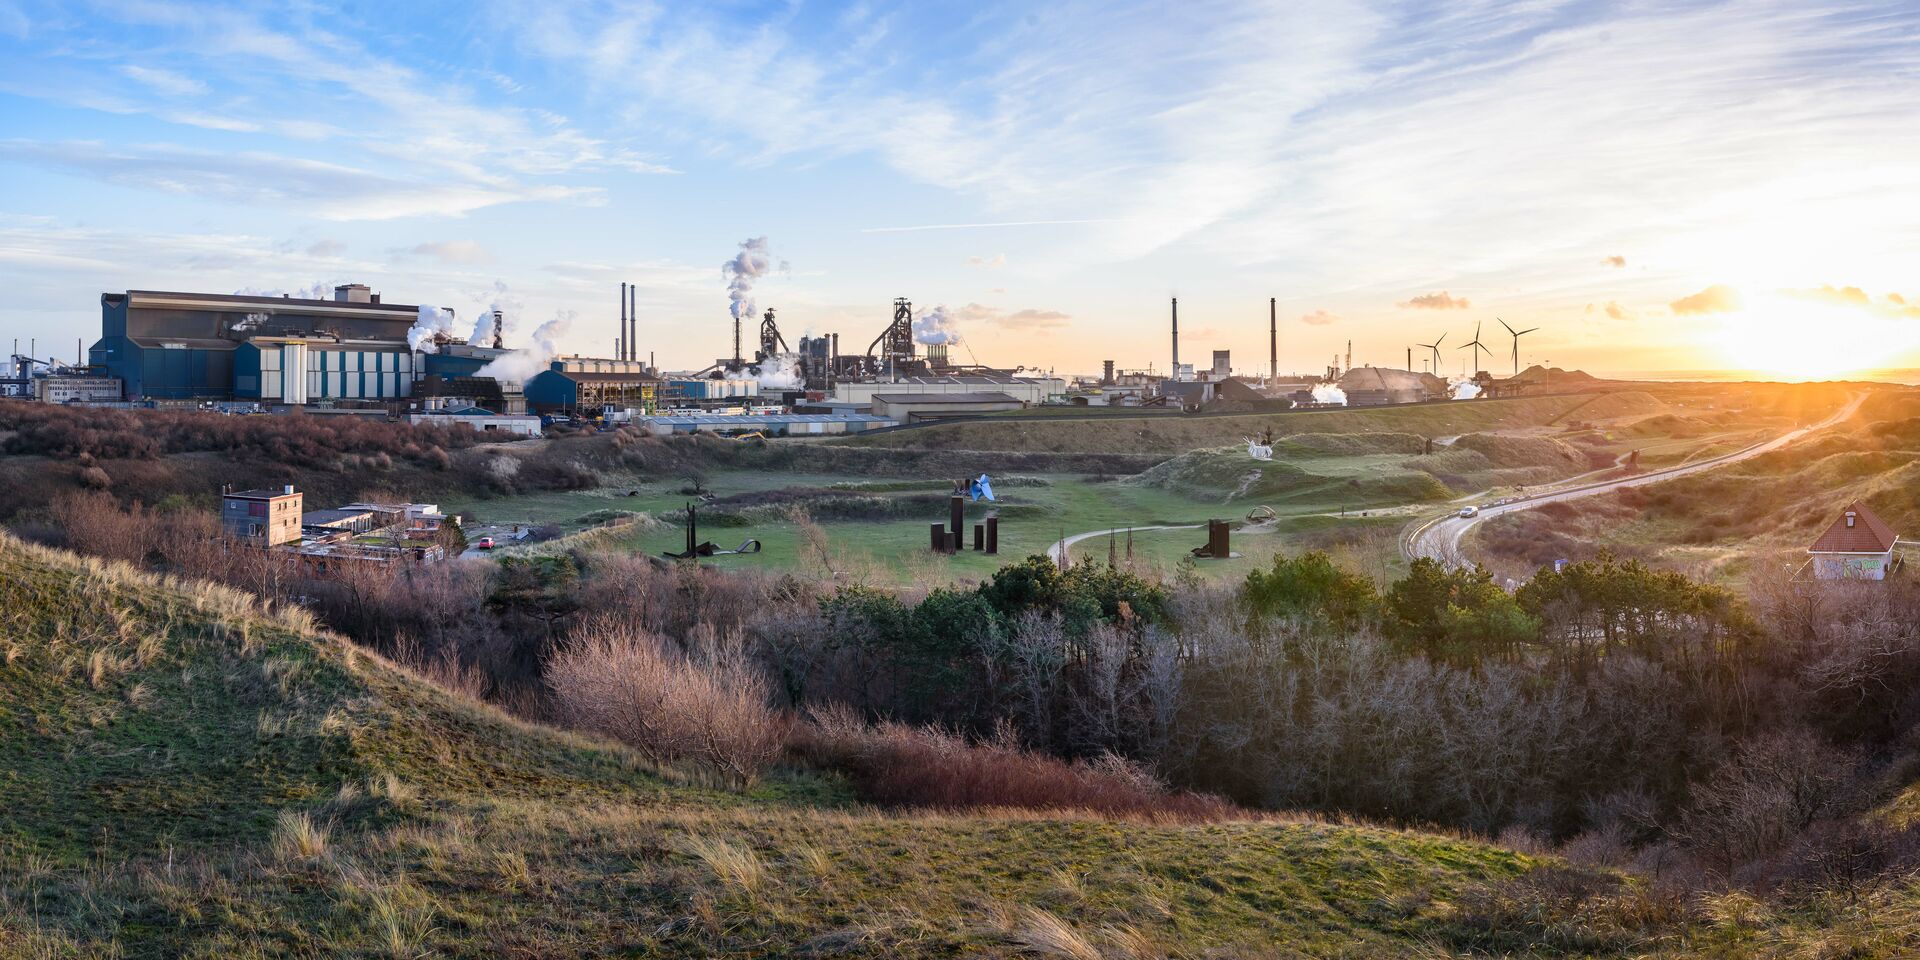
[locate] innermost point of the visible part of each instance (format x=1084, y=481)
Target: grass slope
x=1720, y=521
x=188, y=775
x=1166, y=434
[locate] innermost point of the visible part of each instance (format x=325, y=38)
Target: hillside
x=1722, y=520
x=1169, y=435
x=188, y=775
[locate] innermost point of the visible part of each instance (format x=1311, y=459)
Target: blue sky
x=1657, y=186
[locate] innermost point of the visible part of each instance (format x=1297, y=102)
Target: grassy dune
x=1722, y=521
x=188, y=775
x=1166, y=434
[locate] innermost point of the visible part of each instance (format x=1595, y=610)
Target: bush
x=630, y=684
x=898, y=765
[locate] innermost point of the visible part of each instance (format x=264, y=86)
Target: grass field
x=188, y=775
x=876, y=529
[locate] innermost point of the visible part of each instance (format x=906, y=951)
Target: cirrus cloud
x=1319, y=318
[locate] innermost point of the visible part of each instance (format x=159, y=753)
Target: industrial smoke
x=433, y=321
x=752, y=262
x=522, y=363
x=780, y=373
x=1463, y=389
x=1329, y=393
x=935, y=326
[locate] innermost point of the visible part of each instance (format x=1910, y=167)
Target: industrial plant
x=355, y=354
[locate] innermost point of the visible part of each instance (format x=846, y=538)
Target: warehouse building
x=589, y=387
x=910, y=407
x=186, y=346
x=1028, y=390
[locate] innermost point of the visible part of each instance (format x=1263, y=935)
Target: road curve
x=1439, y=538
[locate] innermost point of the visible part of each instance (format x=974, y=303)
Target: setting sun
x=1801, y=338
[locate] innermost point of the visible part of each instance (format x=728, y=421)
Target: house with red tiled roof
x=1859, y=546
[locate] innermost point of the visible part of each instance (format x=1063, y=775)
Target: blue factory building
x=188, y=346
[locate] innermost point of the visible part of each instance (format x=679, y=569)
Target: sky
x=1655, y=187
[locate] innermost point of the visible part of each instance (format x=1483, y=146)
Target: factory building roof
x=982, y=379
x=1855, y=531
x=237, y=301
x=935, y=398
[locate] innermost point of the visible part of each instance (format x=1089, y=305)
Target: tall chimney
x=1174, y=374
x=633, y=321
x=1273, y=340
x=620, y=342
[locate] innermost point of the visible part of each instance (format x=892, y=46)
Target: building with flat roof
x=169, y=345
x=1027, y=390
x=267, y=517
x=908, y=407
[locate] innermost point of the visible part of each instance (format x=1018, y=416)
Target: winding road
x=1439, y=538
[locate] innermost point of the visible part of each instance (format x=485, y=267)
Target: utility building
x=267, y=517
x=1858, y=546
x=185, y=346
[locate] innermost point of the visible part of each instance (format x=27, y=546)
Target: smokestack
x=1174, y=374
x=1273, y=340
x=633, y=321
x=620, y=343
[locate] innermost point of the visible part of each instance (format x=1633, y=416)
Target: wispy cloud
x=1319, y=318
x=992, y=263
x=453, y=251
x=1436, y=301
x=981, y=226
x=164, y=81
x=322, y=190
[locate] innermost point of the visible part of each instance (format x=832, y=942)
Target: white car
x=1466, y=512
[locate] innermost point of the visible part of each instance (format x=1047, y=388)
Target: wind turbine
x=1435, y=347
x=1517, y=334
x=1476, y=346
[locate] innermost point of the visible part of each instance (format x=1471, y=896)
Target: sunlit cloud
x=1436, y=301
x=1718, y=298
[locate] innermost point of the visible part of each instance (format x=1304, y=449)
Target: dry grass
x=297, y=836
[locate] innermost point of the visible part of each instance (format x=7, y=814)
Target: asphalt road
x=1440, y=537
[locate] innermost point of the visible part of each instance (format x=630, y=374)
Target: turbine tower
x=1435, y=348
x=1516, y=334
x=1476, y=346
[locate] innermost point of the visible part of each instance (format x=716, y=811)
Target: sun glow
x=1810, y=339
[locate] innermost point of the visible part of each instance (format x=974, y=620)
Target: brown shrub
x=633, y=685
x=898, y=765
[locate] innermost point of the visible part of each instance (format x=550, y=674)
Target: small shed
x=1858, y=546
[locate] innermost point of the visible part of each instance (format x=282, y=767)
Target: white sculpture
x=1258, y=450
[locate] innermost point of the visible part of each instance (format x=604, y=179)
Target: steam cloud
x=1463, y=389
x=935, y=326
x=433, y=321
x=752, y=262
x=780, y=373
x=522, y=363
x=1329, y=393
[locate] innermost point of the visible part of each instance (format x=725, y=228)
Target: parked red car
x=485, y=543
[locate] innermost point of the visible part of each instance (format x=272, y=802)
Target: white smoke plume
x=935, y=326
x=433, y=321
x=1329, y=393
x=780, y=373
x=752, y=262
x=1463, y=389
x=318, y=290
x=521, y=364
